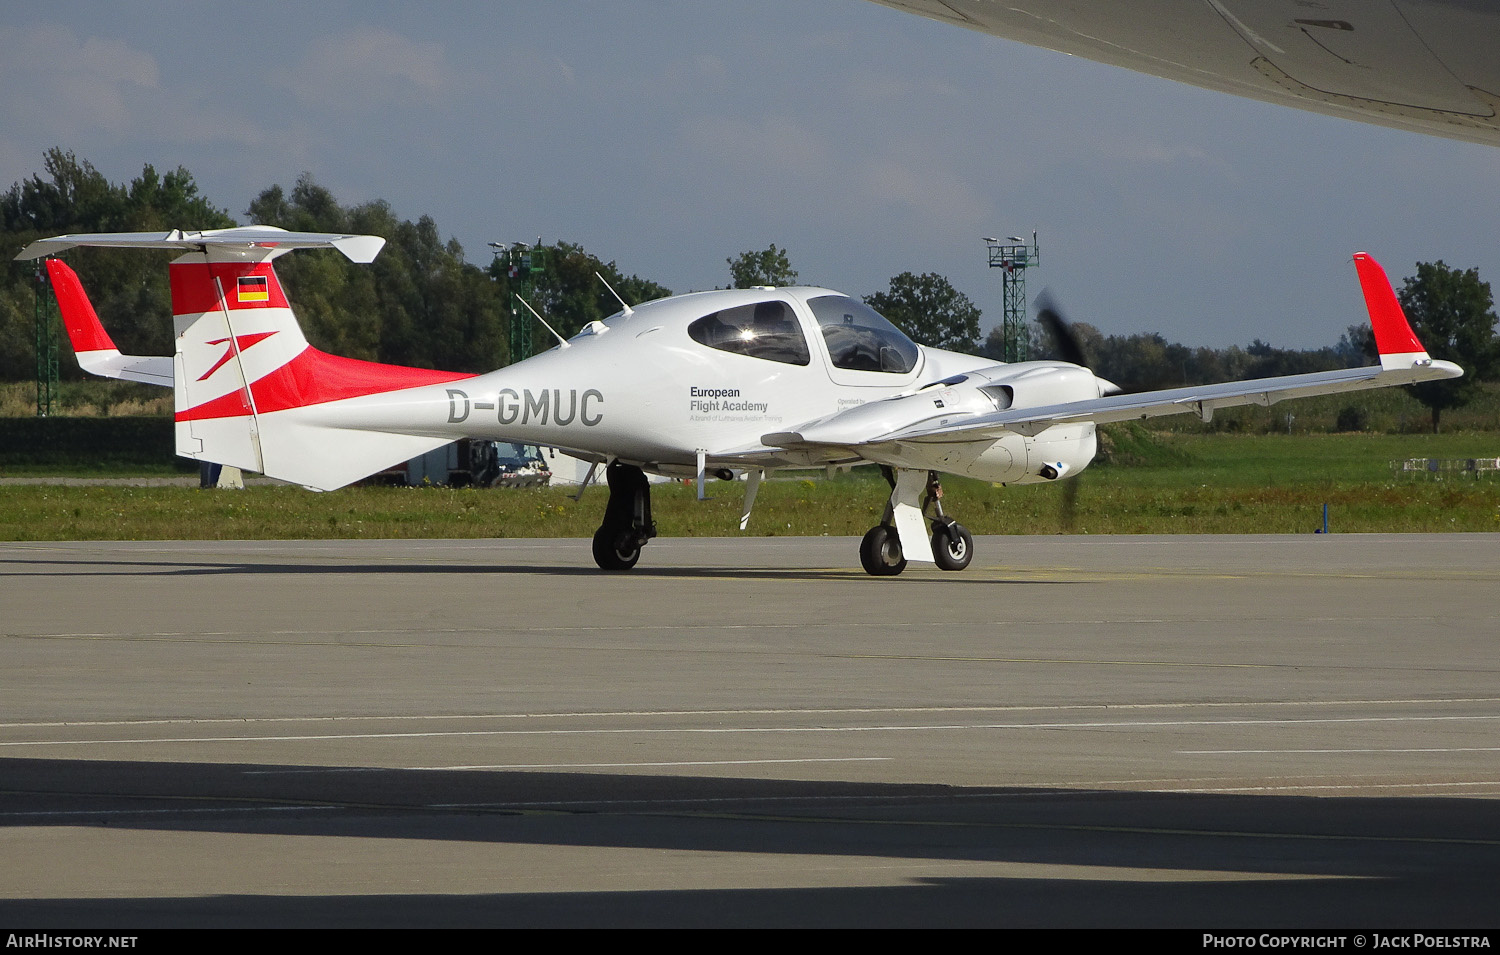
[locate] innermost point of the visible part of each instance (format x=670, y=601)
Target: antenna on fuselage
x=560, y=340
x=612, y=291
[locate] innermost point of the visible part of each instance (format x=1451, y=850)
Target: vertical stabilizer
x=246, y=378
x=234, y=328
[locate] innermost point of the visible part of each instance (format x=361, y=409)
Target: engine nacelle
x=1061, y=451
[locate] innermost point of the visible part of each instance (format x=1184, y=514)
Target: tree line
x=419, y=303
x=422, y=303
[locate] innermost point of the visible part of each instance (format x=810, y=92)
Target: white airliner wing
x=1432, y=66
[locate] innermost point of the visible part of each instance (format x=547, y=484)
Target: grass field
x=1155, y=484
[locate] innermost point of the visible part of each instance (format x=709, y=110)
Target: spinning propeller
x=1070, y=349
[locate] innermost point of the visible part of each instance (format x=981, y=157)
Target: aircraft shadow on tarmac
x=1272, y=860
x=211, y=568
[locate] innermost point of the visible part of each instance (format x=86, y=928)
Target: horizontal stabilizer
x=254, y=238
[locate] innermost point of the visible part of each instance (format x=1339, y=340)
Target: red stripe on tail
x=314, y=378
x=193, y=291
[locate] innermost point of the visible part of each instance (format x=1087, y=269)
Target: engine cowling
x=1057, y=452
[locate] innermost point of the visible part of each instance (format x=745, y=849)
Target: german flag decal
x=253, y=288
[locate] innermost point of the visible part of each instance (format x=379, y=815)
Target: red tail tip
x=1393, y=334
x=78, y=315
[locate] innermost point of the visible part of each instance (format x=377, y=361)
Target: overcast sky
x=668, y=136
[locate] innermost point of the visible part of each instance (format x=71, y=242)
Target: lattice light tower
x=523, y=264
x=1015, y=257
x=46, y=343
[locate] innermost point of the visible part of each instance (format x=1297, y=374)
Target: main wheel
x=615, y=550
x=952, y=546
x=880, y=552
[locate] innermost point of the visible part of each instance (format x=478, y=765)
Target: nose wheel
x=952, y=546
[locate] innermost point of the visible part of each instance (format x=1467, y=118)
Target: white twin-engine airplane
x=709, y=383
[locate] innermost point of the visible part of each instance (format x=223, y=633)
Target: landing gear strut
x=880, y=553
x=627, y=518
x=952, y=545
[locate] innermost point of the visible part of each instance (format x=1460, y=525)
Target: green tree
x=569, y=294
x=129, y=289
x=1356, y=346
x=418, y=304
x=1453, y=314
x=769, y=267
x=931, y=311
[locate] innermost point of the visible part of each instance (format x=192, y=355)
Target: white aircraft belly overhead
x=709, y=383
x=1432, y=66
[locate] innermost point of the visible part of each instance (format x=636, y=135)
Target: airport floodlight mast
x=523, y=264
x=1015, y=257
x=46, y=344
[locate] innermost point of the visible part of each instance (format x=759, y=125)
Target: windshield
x=860, y=339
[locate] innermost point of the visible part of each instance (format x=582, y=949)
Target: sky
x=669, y=136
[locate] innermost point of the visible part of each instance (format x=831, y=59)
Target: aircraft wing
x=1432, y=66
x=1201, y=400
x=95, y=350
x=148, y=369
x=1403, y=360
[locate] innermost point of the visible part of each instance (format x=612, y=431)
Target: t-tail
x=250, y=391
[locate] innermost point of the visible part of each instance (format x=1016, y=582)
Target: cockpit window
x=860, y=339
x=766, y=330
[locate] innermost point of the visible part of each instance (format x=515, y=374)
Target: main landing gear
x=952, y=546
x=627, y=518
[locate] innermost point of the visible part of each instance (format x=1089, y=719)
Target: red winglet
x=78, y=315
x=1393, y=334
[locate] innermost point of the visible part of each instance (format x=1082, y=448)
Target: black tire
x=880, y=552
x=952, y=546
x=615, y=550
